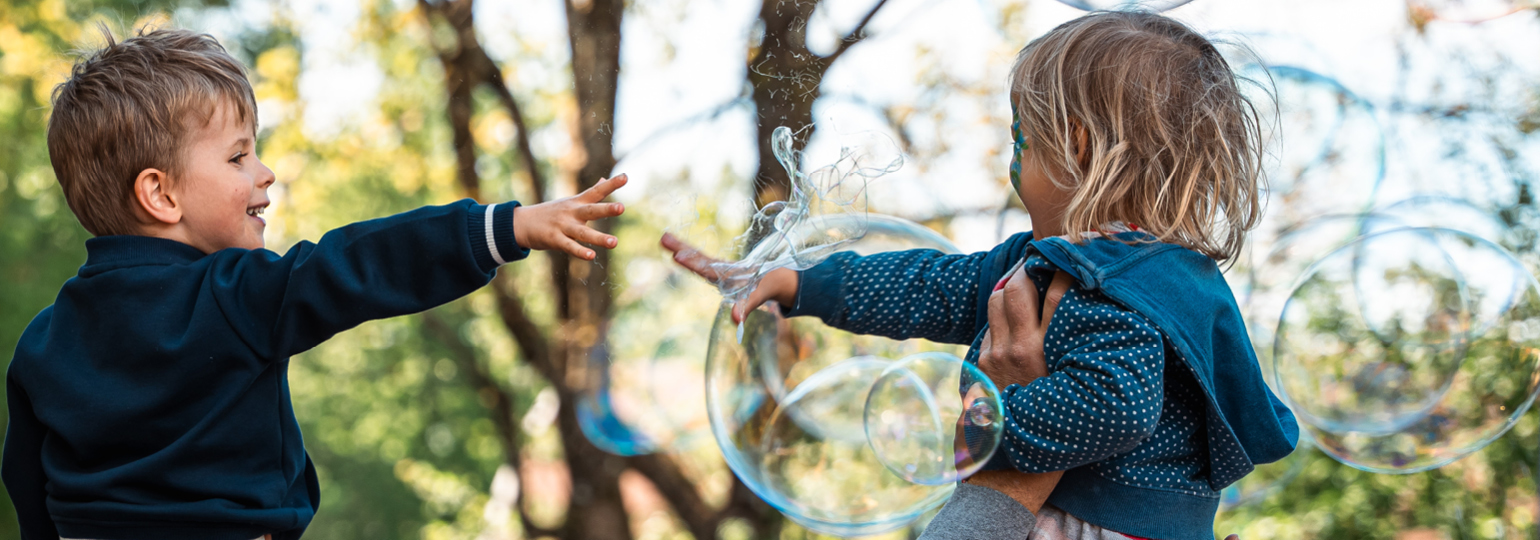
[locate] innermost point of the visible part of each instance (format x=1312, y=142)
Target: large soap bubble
x=1113, y=5
x=787, y=401
x=933, y=418
x=1408, y=349
x=643, y=382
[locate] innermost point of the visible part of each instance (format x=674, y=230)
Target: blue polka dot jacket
x=1154, y=401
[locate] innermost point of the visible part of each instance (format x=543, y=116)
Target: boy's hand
x=1012, y=353
x=779, y=285
x=562, y=223
x=1012, y=350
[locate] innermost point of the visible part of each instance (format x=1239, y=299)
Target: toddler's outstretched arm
x=902, y=294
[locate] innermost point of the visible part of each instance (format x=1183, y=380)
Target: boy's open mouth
x=256, y=211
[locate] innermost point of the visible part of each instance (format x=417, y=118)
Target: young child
x=1137, y=158
x=151, y=400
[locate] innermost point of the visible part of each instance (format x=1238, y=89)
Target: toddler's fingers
x=603, y=189
x=590, y=212
x=756, y=298
x=573, y=248
x=690, y=258
x=588, y=235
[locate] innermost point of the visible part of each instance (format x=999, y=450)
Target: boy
x=151, y=399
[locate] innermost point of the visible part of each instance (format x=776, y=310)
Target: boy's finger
x=1056, y=290
x=574, y=249
x=603, y=189
x=590, y=212
x=588, y=235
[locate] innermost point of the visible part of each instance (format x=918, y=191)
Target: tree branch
x=856, y=34
x=699, y=517
x=494, y=78
x=527, y=335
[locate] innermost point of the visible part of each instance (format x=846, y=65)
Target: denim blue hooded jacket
x=1178, y=292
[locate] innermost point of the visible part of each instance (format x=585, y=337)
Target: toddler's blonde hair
x=1173, y=145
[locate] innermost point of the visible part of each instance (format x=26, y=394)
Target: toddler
x=1137, y=157
x=151, y=400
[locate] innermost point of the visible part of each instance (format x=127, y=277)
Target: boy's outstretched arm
x=902, y=294
x=22, y=467
x=406, y=263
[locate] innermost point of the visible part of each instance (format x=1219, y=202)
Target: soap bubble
x=1330, y=148
x=1408, y=349
x=1466, y=11
x=644, y=382
x=923, y=428
x=1124, y=5
x=787, y=401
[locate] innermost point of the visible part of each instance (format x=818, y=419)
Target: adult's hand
x=1012, y=353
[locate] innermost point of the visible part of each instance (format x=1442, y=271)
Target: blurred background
x=469, y=421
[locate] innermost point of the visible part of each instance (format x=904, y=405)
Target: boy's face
x=223, y=186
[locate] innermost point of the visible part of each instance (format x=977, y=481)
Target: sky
x=683, y=108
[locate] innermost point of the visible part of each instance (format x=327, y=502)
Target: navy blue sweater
x=1125, y=409
x=151, y=400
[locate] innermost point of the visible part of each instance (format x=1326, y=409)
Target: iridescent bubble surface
x=926, y=431
x=1408, y=349
x=787, y=399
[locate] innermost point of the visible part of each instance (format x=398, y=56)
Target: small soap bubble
x=933, y=418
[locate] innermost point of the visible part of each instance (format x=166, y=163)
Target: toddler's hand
x=1012, y=350
x=779, y=285
x=562, y=223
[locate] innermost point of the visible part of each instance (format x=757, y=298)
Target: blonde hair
x=1173, y=145
x=130, y=106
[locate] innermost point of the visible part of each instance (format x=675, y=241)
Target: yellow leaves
x=22, y=54
x=278, y=72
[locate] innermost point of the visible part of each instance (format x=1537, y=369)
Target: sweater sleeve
x=1103, y=396
x=903, y=294
x=22, y=466
x=406, y=263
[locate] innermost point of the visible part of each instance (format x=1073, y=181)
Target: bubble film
x=787, y=400
x=923, y=429
x=1406, y=350
x=642, y=382
x=1330, y=148
x=825, y=211
x=1109, y=5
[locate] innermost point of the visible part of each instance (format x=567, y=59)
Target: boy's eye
x=237, y=159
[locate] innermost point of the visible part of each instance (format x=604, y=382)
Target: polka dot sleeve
x=919, y=293
x=1103, y=396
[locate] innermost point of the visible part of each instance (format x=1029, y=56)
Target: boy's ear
x=152, y=193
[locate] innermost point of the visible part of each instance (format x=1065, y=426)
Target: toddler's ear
x=152, y=196
x=1082, y=144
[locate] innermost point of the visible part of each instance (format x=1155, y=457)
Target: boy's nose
x=265, y=176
